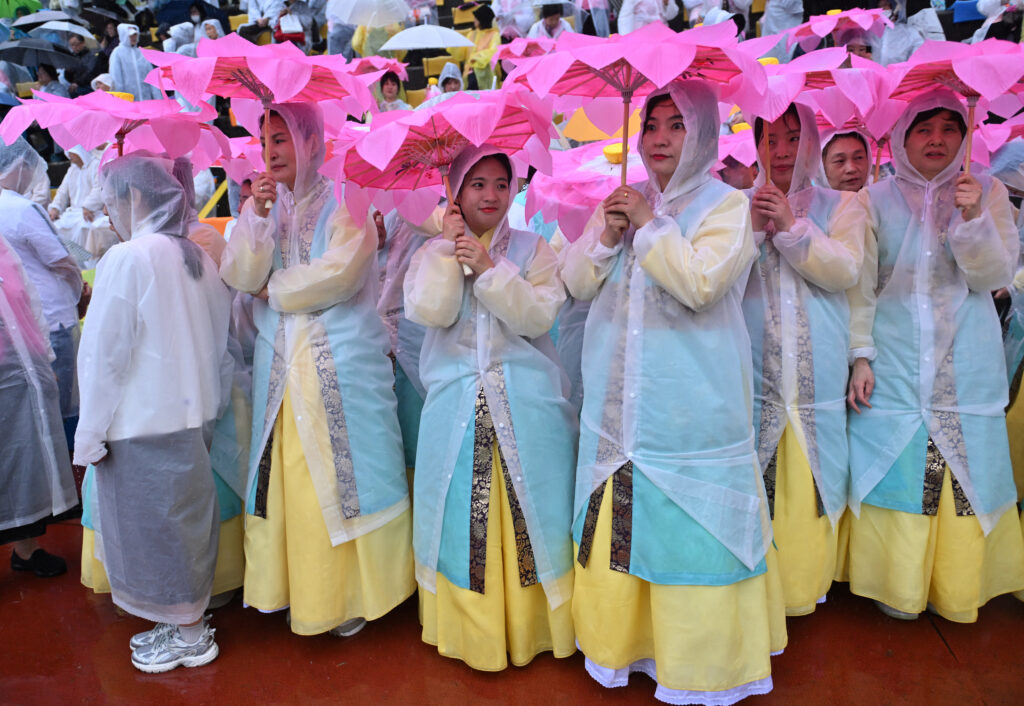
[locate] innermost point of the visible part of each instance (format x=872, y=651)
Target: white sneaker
x=894, y=613
x=170, y=651
x=349, y=627
x=143, y=639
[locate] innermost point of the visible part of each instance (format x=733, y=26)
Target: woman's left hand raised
x=471, y=252
x=632, y=203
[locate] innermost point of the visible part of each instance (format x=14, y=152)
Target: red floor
x=60, y=644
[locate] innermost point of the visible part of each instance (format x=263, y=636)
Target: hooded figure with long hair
x=494, y=464
x=328, y=526
x=931, y=484
x=674, y=573
x=811, y=249
x=155, y=374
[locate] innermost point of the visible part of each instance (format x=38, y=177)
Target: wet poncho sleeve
x=830, y=260
x=986, y=248
x=246, y=262
x=434, y=285
x=528, y=305
x=586, y=263
x=862, y=297
x=698, y=271
x=331, y=278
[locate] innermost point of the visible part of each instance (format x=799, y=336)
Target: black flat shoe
x=41, y=563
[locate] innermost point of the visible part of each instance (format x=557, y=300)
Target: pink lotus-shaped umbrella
x=995, y=135
x=98, y=117
x=809, y=33
x=580, y=179
x=523, y=48
x=633, y=65
x=412, y=151
x=738, y=145
x=989, y=69
x=274, y=73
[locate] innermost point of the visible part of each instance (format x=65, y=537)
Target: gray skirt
x=158, y=525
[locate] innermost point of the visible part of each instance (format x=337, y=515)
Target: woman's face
x=450, y=85
x=780, y=144
x=484, y=196
x=846, y=164
x=389, y=89
x=211, y=31
x=283, y=166
x=932, y=144
x=663, y=136
x=133, y=39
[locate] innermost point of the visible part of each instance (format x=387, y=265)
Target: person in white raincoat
x=35, y=471
x=898, y=42
x=515, y=17
x=674, y=575
x=129, y=67
x=328, y=525
x=77, y=207
x=931, y=482
x=155, y=375
x=811, y=252
x=635, y=14
x=493, y=488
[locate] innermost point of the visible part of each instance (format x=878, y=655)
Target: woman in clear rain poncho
x=674, y=575
x=845, y=159
x=154, y=375
x=811, y=252
x=129, y=67
x=35, y=471
x=493, y=491
x=931, y=481
x=329, y=523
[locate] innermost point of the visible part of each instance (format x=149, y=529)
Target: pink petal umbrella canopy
x=411, y=151
x=98, y=117
x=274, y=73
x=810, y=33
x=580, y=179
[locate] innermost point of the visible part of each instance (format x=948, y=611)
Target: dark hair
x=500, y=157
x=484, y=16
x=551, y=10
x=392, y=77
x=842, y=135
x=759, y=122
x=655, y=102
x=49, y=69
x=929, y=114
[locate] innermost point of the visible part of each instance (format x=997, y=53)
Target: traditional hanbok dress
x=797, y=314
x=154, y=374
x=328, y=520
x=674, y=577
x=931, y=481
x=494, y=465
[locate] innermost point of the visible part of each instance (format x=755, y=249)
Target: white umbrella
x=371, y=13
x=65, y=30
x=426, y=37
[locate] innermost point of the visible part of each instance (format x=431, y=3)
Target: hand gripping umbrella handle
x=451, y=199
x=266, y=147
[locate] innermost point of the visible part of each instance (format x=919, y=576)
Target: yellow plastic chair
x=433, y=65
x=415, y=97
x=152, y=34
x=462, y=17
x=236, y=21
x=25, y=89
x=264, y=38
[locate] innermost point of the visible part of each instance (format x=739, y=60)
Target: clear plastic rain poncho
x=924, y=313
x=182, y=36
x=490, y=332
x=798, y=318
x=635, y=14
x=36, y=471
x=129, y=67
x=667, y=380
x=513, y=17
x=154, y=374
x=320, y=341
x=80, y=192
x=22, y=170
x=451, y=70
x=898, y=42
x=1008, y=167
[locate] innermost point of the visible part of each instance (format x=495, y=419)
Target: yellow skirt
x=909, y=561
x=1015, y=428
x=507, y=621
x=227, y=575
x=806, y=543
x=701, y=638
x=290, y=561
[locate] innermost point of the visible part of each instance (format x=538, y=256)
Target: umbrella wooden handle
x=466, y=270
x=972, y=101
x=625, y=136
x=266, y=148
